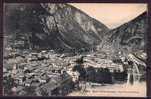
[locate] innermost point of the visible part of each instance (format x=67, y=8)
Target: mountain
x=129, y=37
x=60, y=27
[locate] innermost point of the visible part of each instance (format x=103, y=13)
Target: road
x=115, y=90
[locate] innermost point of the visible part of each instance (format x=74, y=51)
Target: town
x=47, y=73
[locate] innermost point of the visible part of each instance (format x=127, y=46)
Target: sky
x=112, y=15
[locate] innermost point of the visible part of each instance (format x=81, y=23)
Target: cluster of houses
x=47, y=73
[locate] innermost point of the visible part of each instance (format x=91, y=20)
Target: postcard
x=75, y=49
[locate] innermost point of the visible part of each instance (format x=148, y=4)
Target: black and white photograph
x=75, y=49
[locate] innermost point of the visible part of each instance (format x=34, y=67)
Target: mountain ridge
x=129, y=37
x=67, y=28
x=63, y=27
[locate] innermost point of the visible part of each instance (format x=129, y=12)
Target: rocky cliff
x=52, y=26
